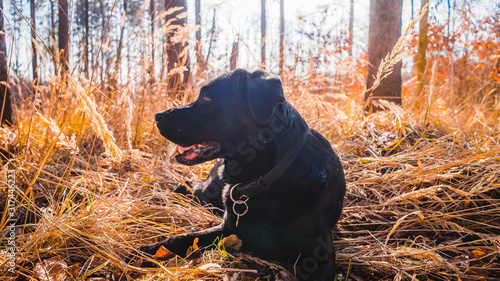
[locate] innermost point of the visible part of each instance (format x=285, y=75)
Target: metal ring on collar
x=246, y=208
x=239, y=201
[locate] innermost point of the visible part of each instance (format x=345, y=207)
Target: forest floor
x=422, y=202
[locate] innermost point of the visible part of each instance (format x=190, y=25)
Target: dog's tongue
x=180, y=149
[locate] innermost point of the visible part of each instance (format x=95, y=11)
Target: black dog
x=280, y=183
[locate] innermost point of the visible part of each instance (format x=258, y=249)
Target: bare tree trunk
x=448, y=22
x=103, y=31
x=351, y=27
x=234, y=56
x=384, y=32
x=176, y=55
x=86, y=51
x=422, y=46
x=53, y=35
x=63, y=34
x=6, y=116
x=33, y=40
x=152, y=13
x=120, y=42
x=282, y=36
x=263, y=33
x=212, y=37
x=411, y=8
x=163, y=53
x=197, y=8
x=200, y=61
x=17, y=30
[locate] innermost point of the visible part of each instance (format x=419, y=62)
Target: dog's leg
x=328, y=270
x=180, y=244
x=182, y=189
x=208, y=192
x=317, y=262
x=316, y=270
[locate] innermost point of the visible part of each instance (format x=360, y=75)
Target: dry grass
x=422, y=202
x=94, y=183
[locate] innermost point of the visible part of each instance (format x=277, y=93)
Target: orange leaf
x=479, y=252
x=73, y=270
x=195, y=244
x=193, y=248
x=163, y=253
x=189, y=251
x=421, y=216
x=466, y=204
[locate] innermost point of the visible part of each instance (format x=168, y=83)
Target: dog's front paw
x=182, y=189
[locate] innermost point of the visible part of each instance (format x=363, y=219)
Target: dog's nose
x=158, y=116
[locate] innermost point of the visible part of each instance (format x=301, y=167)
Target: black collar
x=242, y=192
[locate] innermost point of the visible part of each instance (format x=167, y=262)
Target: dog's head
x=228, y=111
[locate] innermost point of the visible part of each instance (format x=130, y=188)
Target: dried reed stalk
x=97, y=122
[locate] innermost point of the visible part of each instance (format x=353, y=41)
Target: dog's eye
x=204, y=97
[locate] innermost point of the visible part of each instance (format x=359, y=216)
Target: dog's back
x=319, y=148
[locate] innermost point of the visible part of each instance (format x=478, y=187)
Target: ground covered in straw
x=422, y=203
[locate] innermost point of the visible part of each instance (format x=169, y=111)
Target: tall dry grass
x=93, y=182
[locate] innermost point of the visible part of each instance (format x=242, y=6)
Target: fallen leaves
x=232, y=242
x=164, y=253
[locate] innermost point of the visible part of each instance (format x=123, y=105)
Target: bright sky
x=242, y=17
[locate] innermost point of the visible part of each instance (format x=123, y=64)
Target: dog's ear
x=264, y=93
x=241, y=77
